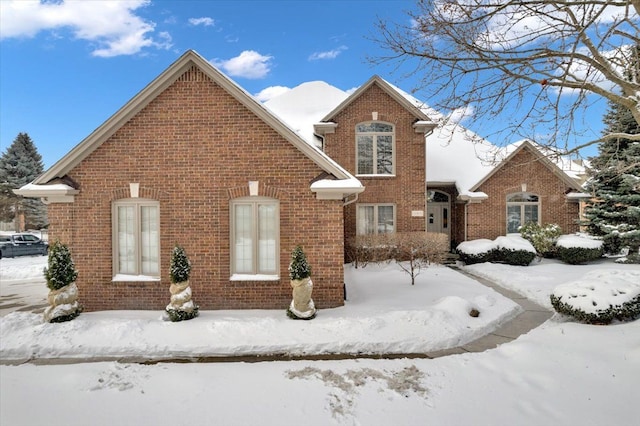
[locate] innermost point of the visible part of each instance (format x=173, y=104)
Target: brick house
x=421, y=176
x=194, y=160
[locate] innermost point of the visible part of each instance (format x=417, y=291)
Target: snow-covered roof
x=305, y=105
x=455, y=155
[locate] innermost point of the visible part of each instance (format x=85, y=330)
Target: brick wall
x=406, y=190
x=193, y=149
x=488, y=219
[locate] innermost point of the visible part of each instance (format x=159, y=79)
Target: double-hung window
x=255, y=236
x=136, y=229
x=375, y=218
x=522, y=208
x=375, y=149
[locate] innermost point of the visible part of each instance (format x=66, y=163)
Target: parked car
x=22, y=245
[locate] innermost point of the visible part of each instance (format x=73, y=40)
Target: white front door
x=438, y=218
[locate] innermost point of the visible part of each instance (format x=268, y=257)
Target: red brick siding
x=193, y=149
x=488, y=219
x=406, y=190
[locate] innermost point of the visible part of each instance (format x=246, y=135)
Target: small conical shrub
x=299, y=268
x=182, y=306
x=180, y=266
x=61, y=275
x=60, y=270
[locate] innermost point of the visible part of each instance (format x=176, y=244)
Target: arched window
x=375, y=148
x=136, y=238
x=255, y=236
x=435, y=196
x=522, y=207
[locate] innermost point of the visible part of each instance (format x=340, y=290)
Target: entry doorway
x=439, y=212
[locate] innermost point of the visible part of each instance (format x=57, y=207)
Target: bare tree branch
x=545, y=61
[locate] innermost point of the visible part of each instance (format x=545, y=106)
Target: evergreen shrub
x=180, y=268
x=578, y=255
x=477, y=251
x=542, y=237
x=627, y=311
x=299, y=268
x=514, y=257
x=61, y=270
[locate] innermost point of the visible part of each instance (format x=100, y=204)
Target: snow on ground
x=384, y=313
x=562, y=373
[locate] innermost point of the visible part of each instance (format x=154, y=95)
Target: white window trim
x=521, y=204
x=375, y=216
x=117, y=276
x=258, y=276
x=375, y=149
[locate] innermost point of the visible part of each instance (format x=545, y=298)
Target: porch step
x=450, y=259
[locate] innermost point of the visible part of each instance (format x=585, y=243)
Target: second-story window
x=375, y=149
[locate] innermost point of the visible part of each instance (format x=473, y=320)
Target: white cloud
x=206, y=21
x=112, y=25
x=249, y=64
x=331, y=54
x=271, y=92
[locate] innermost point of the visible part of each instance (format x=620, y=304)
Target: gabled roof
x=392, y=91
x=157, y=86
x=539, y=156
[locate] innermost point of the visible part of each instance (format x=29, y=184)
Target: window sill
x=375, y=176
x=257, y=277
x=130, y=278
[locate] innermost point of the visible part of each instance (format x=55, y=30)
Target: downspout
x=466, y=204
x=347, y=201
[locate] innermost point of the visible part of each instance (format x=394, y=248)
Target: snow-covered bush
x=576, y=249
x=61, y=275
x=477, y=251
x=61, y=270
x=299, y=268
x=181, y=307
x=514, y=250
x=600, y=297
x=543, y=237
x=301, y=306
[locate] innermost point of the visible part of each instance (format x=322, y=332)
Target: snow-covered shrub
x=180, y=268
x=514, y=250
x=61, y=270
x=301, y=306
x=576, y=249
x=299, y=268
x=61, y=275
x=181, y=307
x=543, y=237
x=600, y=297
x=477, y=251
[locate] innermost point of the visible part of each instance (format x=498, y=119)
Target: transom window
x=375, y=218
x=522, y=208
x=255, y=236
x=136, y=229
x=435, y=196
x=375, y=149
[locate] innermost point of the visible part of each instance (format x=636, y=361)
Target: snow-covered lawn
x=562, y=373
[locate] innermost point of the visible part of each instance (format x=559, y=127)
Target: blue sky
x=66, y=67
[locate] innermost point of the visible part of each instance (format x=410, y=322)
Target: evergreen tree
x=299, y=268
x=614, y=212
x=20, y=164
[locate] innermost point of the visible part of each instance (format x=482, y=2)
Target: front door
x=438, y=217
